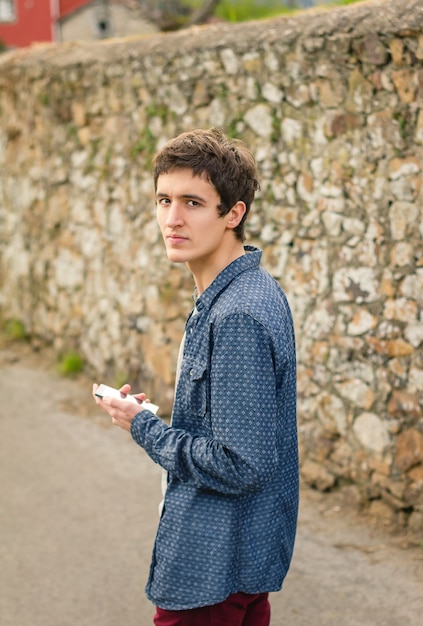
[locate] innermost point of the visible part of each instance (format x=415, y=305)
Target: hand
x=121, y=411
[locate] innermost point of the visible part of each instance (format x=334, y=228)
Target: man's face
x=187, y=214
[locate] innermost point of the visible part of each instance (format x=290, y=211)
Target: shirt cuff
x=137, y=424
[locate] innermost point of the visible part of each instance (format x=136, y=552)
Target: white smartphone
x=105, y=390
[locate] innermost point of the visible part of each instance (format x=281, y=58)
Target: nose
x=174, y=215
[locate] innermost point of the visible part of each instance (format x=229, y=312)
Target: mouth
x=176, y=239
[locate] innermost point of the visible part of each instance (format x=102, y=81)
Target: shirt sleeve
x=241, y=455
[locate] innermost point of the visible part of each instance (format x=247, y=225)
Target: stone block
x=374, y=50
x=418, y=137
x=401, y=309
x=362, y=322
x=403, y=217
x=416, y=474
x=409, y=449
x=357, y=391
x=400, y=55
x=372, y=433
x=396, y=504
x=360, y=93
x=259, y=118
x=357, y=284
x=329, y=94
x=332, y=413
x=382, y=511
x=402, y=254
x=405, y=82
x=230, y=61
x=79, y=114
x=415, y=522
x=315, y=475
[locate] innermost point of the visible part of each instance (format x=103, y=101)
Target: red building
x=23, y=22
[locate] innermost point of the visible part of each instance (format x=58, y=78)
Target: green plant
x=138, y=147
x=145, y=145
x=71, y=130
x=232, y=127
x=71, y=364
x=157, y=110
x=344, y=2
x=120, y=379
x=44, y=99
x=243, y=10
x=402, y=124
x=15, y=330
x=250, y=10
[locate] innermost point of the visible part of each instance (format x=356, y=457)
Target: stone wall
x=331, y=103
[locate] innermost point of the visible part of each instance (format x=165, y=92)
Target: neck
x=204, y=274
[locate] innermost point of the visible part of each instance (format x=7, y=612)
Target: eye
x=163, y=201
x=193, y=203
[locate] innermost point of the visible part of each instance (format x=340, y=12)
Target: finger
x=116, y=403
x=126, y=388
x=118, y=406
x=141, y=397
x=96, y=398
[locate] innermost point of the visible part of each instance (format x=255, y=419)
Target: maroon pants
x=239, y=609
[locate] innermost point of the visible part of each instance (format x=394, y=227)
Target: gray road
x=79, y=511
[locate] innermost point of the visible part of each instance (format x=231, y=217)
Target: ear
x=236, y=214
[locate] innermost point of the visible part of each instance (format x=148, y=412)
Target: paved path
x=79, y=511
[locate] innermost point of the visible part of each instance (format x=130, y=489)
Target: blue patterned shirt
x=230, y=512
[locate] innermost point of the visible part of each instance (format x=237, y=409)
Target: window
x=103, y=28
x=102, y=16
x=7, y=10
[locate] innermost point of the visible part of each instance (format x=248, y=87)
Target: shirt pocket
x=194, y=387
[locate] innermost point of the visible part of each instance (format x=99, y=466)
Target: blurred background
x=25, y=22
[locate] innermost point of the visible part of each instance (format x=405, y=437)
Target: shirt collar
x=250, y=260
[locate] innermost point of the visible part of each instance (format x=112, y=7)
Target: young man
x=226, y=532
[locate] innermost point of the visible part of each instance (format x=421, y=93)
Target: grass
x=243, y=10
x=14, y=330
x=249, y=10
x=120, y=379
x=344, y=2
x=71, y=364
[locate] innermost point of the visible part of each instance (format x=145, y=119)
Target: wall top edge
x=355, y=20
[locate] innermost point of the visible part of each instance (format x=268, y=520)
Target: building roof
x=69, y=6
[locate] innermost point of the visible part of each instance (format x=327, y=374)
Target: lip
x=176, y=239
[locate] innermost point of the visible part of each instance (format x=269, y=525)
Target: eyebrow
x=185, y=196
